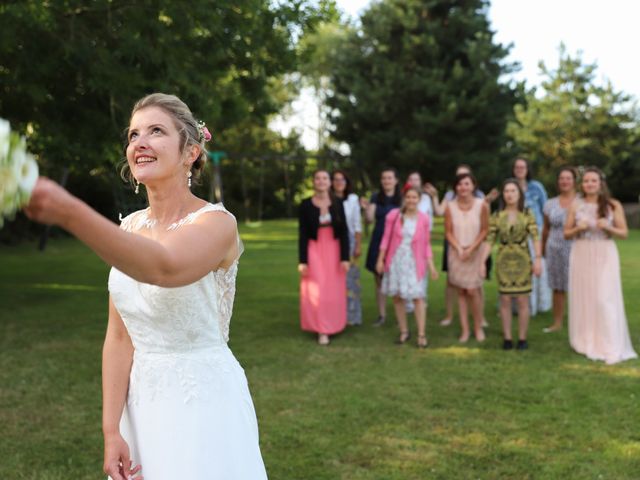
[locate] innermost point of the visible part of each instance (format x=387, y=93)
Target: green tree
x=319, y=47
x=70, y=70
x=418, y=85
x=572, y=120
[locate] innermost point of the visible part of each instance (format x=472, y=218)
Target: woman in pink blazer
x=405, y=254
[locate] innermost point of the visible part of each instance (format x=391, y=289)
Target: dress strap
x=209, y=207
x=190, y=218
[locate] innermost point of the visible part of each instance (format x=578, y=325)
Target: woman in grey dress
x=554, y=246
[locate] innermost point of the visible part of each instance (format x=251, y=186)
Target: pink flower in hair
x=204, y=131
x=206, y=134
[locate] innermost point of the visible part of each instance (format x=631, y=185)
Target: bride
x=175, y=400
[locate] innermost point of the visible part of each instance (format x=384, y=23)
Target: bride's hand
x=49, y=203
x=117, y=462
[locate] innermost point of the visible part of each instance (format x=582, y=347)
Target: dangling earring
x=189, y=179
x=137, y=190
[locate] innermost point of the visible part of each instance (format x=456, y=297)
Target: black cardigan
x=309, y=224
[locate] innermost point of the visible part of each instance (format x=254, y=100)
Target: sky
x=605, y=32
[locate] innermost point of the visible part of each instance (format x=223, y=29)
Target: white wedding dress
x=188, y=413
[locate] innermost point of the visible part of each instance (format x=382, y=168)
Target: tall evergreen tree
x=419, y=86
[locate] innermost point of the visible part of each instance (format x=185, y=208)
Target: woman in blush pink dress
x=323, y=261
x=466, y=223
x=597, y=321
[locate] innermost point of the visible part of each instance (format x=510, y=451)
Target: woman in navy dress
x=376, y=209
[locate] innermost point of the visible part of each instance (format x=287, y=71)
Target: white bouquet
x=18, y=172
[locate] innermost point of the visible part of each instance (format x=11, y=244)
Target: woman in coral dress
x=323, y=261
x=597, y=321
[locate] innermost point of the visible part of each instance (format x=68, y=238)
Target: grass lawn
x=363, y=408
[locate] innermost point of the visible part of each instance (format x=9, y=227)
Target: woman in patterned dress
x=512, y=227
x=597, y=320
x=466, y=222
x=535, y=196
x=555, y=247
x=405, y=254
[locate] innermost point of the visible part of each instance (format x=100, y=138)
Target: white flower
x=28, y=178
x=18, y=172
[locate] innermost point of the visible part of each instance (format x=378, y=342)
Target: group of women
x=176, y=403
x=546, y=249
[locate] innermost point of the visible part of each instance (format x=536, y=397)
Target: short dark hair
x=397, y=196
x=461, y=177
x=568, y=168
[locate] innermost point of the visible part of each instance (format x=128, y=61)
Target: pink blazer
x=420, y=244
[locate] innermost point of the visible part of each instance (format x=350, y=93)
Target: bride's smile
x=153, y=151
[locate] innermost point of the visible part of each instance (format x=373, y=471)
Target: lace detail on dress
x=136, y=221
x=226, y=287
x=588, y=212
x=151, y=374
x=140, y=219
x=180, y=333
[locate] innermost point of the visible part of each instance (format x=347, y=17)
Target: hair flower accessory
x=204, y=131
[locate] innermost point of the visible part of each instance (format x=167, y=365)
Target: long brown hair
x=515, y=182
x=604, y=197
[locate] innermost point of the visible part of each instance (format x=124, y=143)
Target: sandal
x=403, y=338
x=445, y=322
x=422, y=341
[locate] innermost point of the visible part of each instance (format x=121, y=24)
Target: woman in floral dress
x=555, y=247
x=405, y=254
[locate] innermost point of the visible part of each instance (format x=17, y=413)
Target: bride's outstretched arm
x=117, y=358
x=183, y=257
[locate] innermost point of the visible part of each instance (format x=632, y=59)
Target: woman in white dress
x=175, y=400
x=342, y=189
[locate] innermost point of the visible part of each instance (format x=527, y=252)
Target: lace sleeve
x=133, y=221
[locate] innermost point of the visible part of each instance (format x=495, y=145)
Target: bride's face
x=153, y=152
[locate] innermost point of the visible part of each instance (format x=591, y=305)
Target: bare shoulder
x=220, y=220
x=616, y=204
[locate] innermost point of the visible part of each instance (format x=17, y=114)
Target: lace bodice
x=588, y=212
x=175, y=320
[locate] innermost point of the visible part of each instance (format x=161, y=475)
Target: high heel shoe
x=403, y=338
x=422, y=341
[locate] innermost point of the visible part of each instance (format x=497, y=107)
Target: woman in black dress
x=376, y=208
